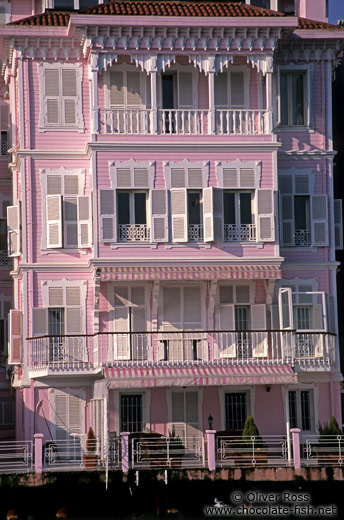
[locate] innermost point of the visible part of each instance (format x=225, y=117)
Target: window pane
x=305, y=410
x=64, y=4
x=292, y=410
x=131, y=413
x=301, y=209
x=123, y=208
x=297, y=97
x=284, y=98
x=56, y=322
x=236, y=411
x=242, y=317
x=303, y=318
x=87, y=3
x=194, y=208
x=245, y=208
x=167, y=91
x=3, y=235
x=261, y=3
x=140, y=208
x=229, y=208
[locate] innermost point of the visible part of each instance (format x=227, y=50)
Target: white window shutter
x=69, y=93
x=258, y=323
x=213, y=220
x=230, y=178
x=179, y=215
x=15, y=339
x=159, y=216
x=178, y=178
x=60, y=416
x=319, y=214
x=192, y=429
x=73, y=321
x=141, y=178
x=54, y=221
x=124, y=178
x=70, y=221
x=338, y=223
x=116, y=89
x=185, y=90
x=172, y=318
x=134, y=96
x=52, y=96
x=84, y=222
x=121, y=326
x=75, y=415
x=265, y=216
x=285, y=306
x=39, y=321
x=108, y=215
x=275, y=323
x=195, y=178
x=287, y=220
x=226, y=340
x=178, y=415
x=13, y=230
x=192, y=308
x=247, y=178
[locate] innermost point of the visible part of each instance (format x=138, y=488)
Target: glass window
x=300, y=409
x=229, y=207
x=131, y=413
x=194, y=207
x=236, y=410
x=292, y=85
x=245, y=208
x=261, y=3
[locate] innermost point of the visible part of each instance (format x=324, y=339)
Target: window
x=185, y=420
x=286, y=6
x=61, y=96
x=238, y=210
x=261, y=3
x=6, y=413
x=4, y=128
x=71, y=4
x=129, y=315
x=236, y=410
x=67, y=410
x=238, y=217
x=293, y=98
x=300, y=409
x=68, y=214
x=177, y=90
x=229, y=89
x=132, y=216
x=304, y=217
x=4, y=310
x=5, y=12
x=131, y=413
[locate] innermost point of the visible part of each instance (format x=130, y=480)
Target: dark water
x=85, y=497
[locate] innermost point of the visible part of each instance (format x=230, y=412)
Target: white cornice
x=305, y=154
x=200, y=261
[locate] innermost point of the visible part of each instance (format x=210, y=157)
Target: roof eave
x=321, y=34
x=32, y=30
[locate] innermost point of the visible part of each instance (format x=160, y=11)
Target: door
x=185, y=422
x=131, y=413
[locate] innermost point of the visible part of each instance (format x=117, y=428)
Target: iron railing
x=269, y=450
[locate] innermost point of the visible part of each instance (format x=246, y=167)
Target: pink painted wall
x=269, y=410
x=211, y=406
x=313, y=9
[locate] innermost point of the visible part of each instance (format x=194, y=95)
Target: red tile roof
x=182, y=8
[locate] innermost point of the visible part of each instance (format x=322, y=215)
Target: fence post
x=296, y=447
x=125, y=451
x=211, y=449
x=38, y=441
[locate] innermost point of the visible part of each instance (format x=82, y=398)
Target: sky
x=336, y=11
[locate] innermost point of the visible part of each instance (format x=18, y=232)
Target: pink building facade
x=171, y=224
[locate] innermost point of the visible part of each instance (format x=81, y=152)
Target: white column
x=211, y=87
x=93, y=77
x=154, y=112
x=268, y=128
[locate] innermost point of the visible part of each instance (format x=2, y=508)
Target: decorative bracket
x=264, y=64
x=153, y=63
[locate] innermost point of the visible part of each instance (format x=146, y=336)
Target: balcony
x=303, y=238
x=4, y=260
x=133, y=233
x=89, y=353
x=195, y=233
x=120, y=121
x=243, y=233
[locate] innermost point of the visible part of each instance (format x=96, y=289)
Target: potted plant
x=253, y=446
x=329, y=438
x=90, y=457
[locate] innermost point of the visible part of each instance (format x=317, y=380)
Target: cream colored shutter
x=108, y=216
x=192, y=308
x=185, y=90
x=39, y=321
x=54, y=221
x=178, y=416
x=140, y=179
x=178, y=178
x=13, y=230
x=237, y=90
x=195, y=178
x=134, y=96
x=227, y=340
x=338, y=223
x=191, y=420
x=247, y=178
x=287, y=220
x=60, y=419
x=69, y=96
x=319, y=219
x=275, y=323
x=73, y=311
x=213, y=220
x=265, y=215
x=121, y=326
x=52, y=96
x=258, y=322
x=84, y=222
x=172, y=319
x=15, y=339
x=116, y=89
x=179, y=215
x=230, y=178
x=159, y=216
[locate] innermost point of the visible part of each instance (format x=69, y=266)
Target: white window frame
x=62, y=172
x=131, y=194
x=235, y=285
x=250, y=392
x=307, y=70
x=228, y=71
x=62, y=127
x=144, y=80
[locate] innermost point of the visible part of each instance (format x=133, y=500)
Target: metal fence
x=270, y=450
x=15, y=456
